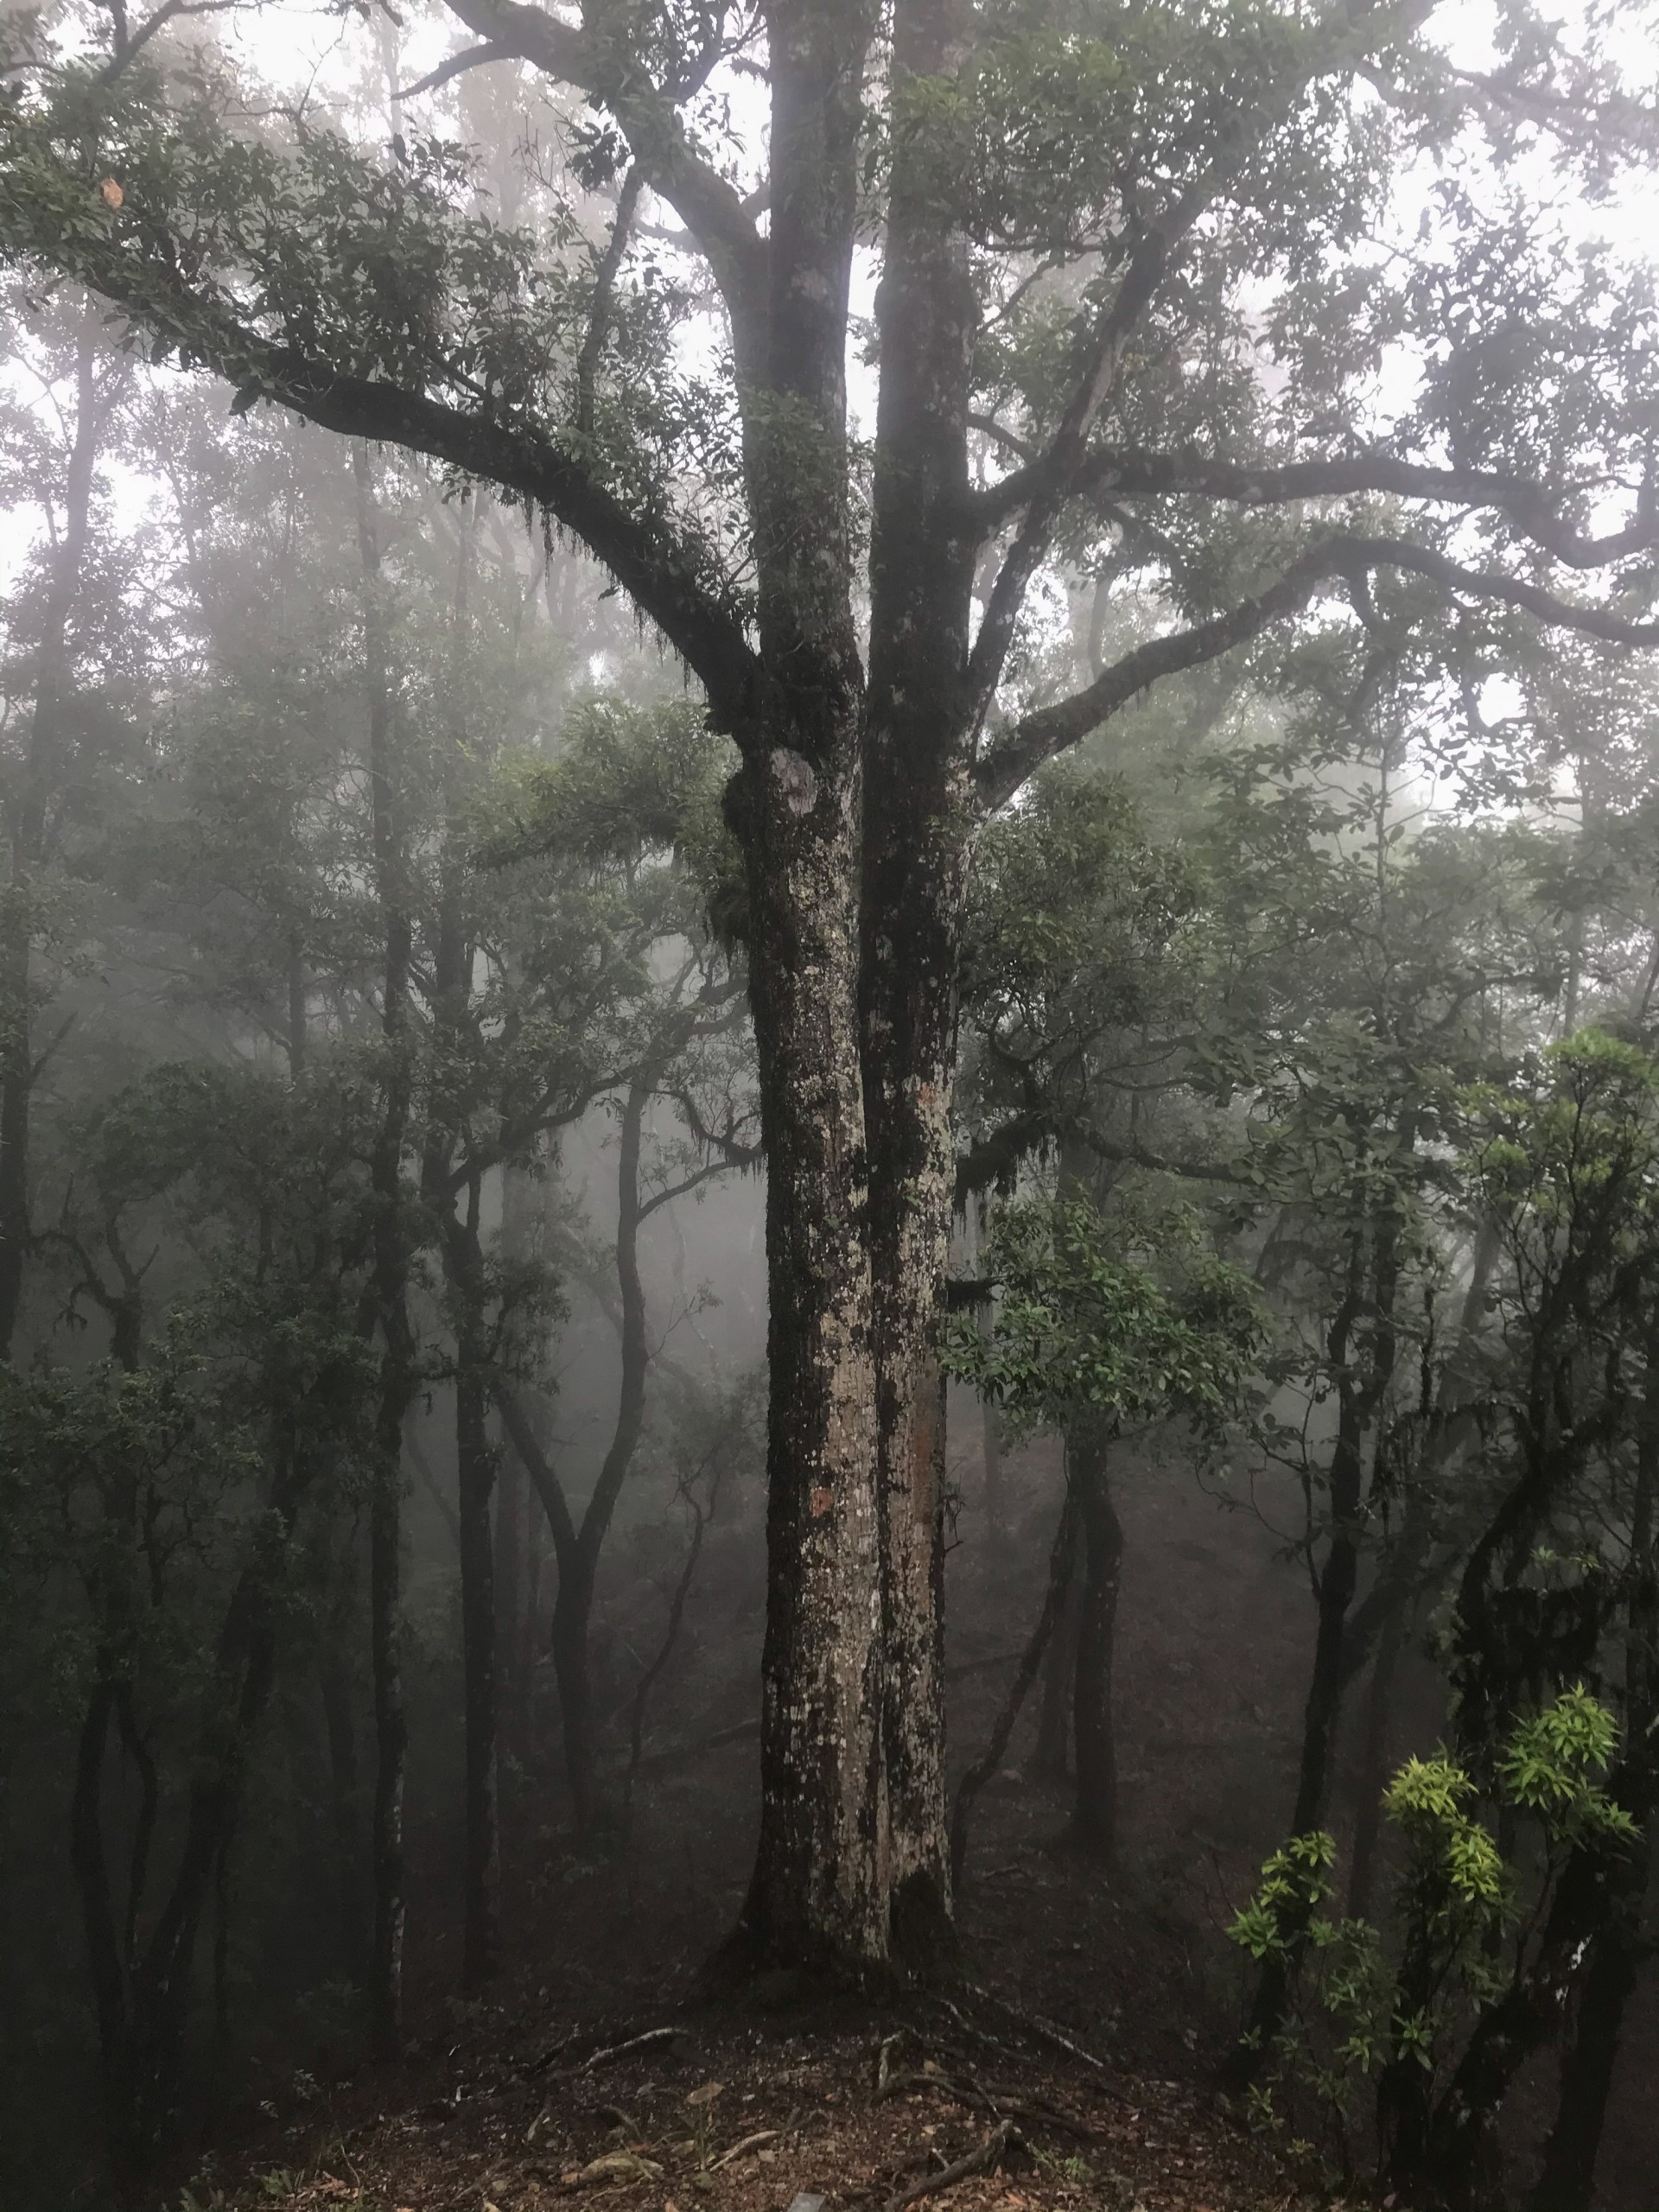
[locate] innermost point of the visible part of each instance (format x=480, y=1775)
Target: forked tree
x=1152, y=294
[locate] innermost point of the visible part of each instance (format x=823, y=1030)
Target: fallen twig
x=990, y=2155
x=1033, y=2024
x=1005, y=2104
x=755, y=2142
x=652, y=2039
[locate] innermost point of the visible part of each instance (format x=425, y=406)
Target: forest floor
x=753, y=2111
x=500, y=2103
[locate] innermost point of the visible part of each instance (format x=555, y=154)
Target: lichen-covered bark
x=818, y=1896
x=818, y=1893
x=916, y=820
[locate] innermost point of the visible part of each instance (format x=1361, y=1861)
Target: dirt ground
x=503, y=2105
x=757, y=2118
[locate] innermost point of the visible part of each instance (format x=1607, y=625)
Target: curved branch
x=1148, y=475
x=657, y=571
x=470, y=57
x=1039, y=736
x=539, y=1468
x=1352, y=28
x=712, y=210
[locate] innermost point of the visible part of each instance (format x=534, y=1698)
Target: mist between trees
x=682, y=967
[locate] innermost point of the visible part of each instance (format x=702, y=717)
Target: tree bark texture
x=916, y=816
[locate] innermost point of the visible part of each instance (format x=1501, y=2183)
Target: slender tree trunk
x=475, y=1466
x=142, y=1991
x=390, y=1270
x=16, y=1088
x=1051, y=1758
x=334, y=1682
x=1374, y=1762
x=572, y=1609
x=105, y=1951
x=509, y=1576
x=26, y=818
x=1453, y=2161
x=1095, y=1825
x=1567, y=2180
x=990, y=1442
x=1060, y=1559
x=1337, y=1581
x=1449, y=2152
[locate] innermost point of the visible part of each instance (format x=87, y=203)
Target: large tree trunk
x=918, y=809
x=818, y=1896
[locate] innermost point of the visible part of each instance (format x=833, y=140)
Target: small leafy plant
x=1368, y=2005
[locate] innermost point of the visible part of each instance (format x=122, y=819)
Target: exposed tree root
x=1002, y=2138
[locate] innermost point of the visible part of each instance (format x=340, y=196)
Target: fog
x=829, y=1106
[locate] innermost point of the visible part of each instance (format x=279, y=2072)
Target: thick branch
x=711, y=209
x=470, y=57
x=1023, y=749
x=658, y=573
x=1147, y=476
x=127, y=49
